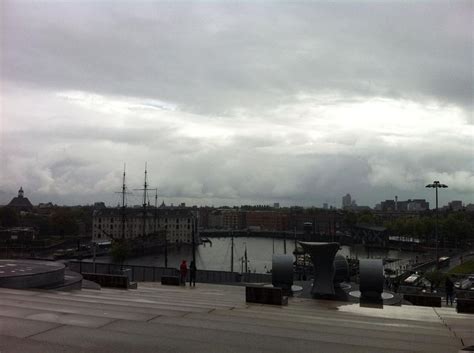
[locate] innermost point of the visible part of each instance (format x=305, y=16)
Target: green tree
x=366, y=218
x=9, y=217
x=63, y=222
x=39, y=222
x=350, y=219
x=120, y=252
x=435, y=278
x=456, y=228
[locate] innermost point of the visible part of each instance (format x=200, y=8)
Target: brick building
x=266, y=220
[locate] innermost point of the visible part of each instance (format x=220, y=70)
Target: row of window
x=179, y=237
x=141, y=220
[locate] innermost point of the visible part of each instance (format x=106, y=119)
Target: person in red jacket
x=183, y=270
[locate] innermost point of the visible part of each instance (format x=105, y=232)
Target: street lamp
x=436, y=185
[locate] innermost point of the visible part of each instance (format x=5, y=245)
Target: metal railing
x=154, y=274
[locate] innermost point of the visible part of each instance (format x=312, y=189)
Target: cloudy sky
x=231, y=103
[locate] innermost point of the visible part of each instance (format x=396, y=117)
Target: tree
x=63, y=222
x=435, y=278
x=9, y=217
x=350, y=219
x=366, y=218
x=120, y=252
x=456, y=229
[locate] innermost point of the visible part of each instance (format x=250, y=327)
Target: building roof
x=20, y=202
x=370, y=227
x=216, y=318
x=138, y=212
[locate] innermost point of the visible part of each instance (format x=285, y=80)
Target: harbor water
x=217, y=256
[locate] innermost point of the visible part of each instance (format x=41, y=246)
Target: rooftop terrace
x=215, y=318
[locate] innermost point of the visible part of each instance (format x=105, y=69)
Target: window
x=177, y=226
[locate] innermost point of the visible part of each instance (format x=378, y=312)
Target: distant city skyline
x=237, y=103
x=136, y=199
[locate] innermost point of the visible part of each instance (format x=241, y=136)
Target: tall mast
x=245, y=255
x=194, y=225
x=295, y=236
x=145, y=186
x=145, y=194
x=123, y=202
x=232, y=253
x=156, y=210
x=123, y=207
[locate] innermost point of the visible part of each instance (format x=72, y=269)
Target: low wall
x=107, y=280
x=31, y=274
x=154, y=274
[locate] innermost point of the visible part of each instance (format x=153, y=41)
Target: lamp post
x=94, y=244
x=436, y=185
x=194, y=226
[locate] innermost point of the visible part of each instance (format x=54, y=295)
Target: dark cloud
x=214, y=57
x=237, y=102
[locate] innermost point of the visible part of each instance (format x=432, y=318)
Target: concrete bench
x=465, y=301
x=113, y=281
x=465, y=305
x=423, y=300
x=170, y=280
x=265, y=295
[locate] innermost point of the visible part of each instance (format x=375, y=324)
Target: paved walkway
x=214, y=318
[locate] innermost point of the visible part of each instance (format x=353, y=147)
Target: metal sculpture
x=322, y=256
x=341, y=269
x=282, y=272
x=371, y=279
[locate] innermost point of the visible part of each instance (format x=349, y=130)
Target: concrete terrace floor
x=215, y=318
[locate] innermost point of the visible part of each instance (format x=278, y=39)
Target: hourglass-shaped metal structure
x=322, y=256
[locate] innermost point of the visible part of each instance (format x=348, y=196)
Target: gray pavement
x=215, y=318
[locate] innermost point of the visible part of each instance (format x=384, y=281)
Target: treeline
x=60, y=221
x=454, y=228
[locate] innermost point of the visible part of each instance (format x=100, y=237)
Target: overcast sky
x=233, y=103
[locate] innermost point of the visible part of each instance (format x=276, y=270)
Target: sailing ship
x=145, y=229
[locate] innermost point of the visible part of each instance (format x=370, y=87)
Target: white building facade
x=176, y=223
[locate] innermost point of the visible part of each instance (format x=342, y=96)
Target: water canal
x=259, y=254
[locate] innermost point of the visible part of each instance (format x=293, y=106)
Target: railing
x=402, y=265
x=154, y=274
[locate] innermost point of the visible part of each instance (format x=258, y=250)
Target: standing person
x=449, y=285
x=183, y=270
x=192, y=274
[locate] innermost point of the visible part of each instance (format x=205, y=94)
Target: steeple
x=21, y=202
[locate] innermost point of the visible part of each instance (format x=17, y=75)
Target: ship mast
x=145, y=186
x=123, y=203
x=246, y=260
x=145, y=198
x=123, y=207
x=232, y=252
x=156, y=210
